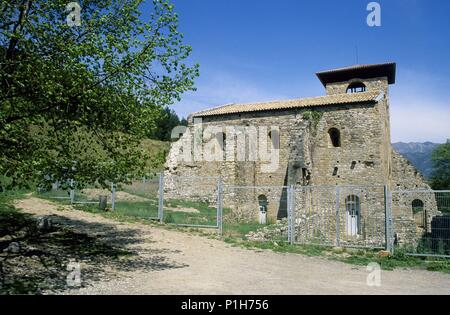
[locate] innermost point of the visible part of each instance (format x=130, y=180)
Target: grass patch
x=140, y=210
x=398, y=260
x=189, y=212
x=240, y=230
x=360, y=257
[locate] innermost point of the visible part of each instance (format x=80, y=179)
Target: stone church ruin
x=341, y=139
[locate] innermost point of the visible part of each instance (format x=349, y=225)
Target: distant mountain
x=419, y=154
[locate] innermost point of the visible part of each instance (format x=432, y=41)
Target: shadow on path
x=40, y=261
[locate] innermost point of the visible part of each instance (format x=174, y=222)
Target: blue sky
x=260, y=50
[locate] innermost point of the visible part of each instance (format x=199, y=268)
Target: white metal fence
x=191, y=201
x=368, y=216
x=256, y=213
x=340, y=216
x=139, y=199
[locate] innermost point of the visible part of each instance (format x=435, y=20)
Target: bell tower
x=365, y=79
x=358, y=78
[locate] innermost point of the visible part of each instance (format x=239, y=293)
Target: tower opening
x=356, y=87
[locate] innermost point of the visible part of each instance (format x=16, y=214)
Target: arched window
x=262, y=201
x=417, y=206
x=356, y=87
x=274, y=138
x=353, y=211
x=335, y=137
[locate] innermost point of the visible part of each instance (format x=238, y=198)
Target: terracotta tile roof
x=289, y=104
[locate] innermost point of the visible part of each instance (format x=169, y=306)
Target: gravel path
x=186, y=264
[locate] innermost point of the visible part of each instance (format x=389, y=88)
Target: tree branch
x=18, y=27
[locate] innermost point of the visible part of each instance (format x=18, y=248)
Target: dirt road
x=178, y=263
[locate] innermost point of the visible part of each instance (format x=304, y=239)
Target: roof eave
x=200, y=114
x=362, y=72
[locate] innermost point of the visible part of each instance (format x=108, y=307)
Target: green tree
x=168, y=120
x=440, y=179
x=77, y=100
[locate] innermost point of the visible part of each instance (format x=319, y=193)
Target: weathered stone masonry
x=338, y=139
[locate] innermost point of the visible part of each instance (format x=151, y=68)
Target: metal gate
x=192, y=201
x=140, y=198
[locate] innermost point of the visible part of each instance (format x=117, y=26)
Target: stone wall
x=305, y=156
x=407, y=185
x=405, y=176
x=359, y=159
x=243, y=173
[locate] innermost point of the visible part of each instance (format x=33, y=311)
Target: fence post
x=291, y=215
x=113, y=196
x=72, y=191
x=388, y=219
x=288, y=206
x=338, y=232
x=161, y=198
x=219, y=207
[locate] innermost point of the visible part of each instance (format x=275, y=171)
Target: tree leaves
x=85, y=95
x=440, y=179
